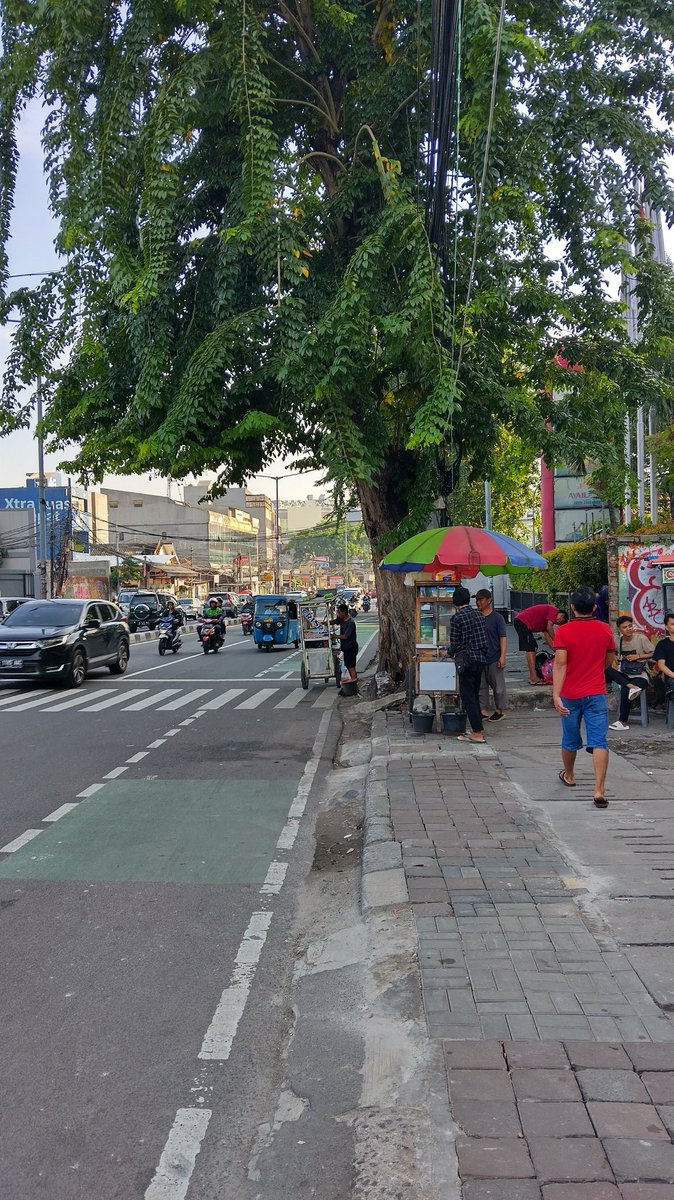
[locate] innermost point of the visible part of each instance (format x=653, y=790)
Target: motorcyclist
x=173, y=618
x=212, y=611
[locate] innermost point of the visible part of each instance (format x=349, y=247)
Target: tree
x=327, y=541
x=240, y=189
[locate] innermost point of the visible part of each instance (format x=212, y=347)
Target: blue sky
x=31, y=249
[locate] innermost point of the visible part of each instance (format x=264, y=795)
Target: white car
x=189, y=608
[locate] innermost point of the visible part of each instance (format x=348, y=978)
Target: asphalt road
x=153, y=837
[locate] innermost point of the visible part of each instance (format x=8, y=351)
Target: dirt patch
x=339, y=838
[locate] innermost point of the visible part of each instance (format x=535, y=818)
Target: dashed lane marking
x=172, y=1177
x=60, y=812
x=20, y=841
x=221, y=1032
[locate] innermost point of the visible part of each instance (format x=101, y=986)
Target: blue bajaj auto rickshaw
x=275, y=622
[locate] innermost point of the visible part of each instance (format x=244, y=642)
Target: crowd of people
x=587, y=657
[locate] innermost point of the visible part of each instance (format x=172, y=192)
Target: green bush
x=568, y=568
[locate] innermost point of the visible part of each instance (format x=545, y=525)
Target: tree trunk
x=613, y=517
x=395, y=602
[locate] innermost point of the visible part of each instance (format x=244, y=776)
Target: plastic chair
x=641, y=714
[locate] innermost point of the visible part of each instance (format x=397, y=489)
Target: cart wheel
x=303, y=677
x=410, y=690
x=297, y=644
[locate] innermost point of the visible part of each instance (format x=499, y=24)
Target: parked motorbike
x=170, y=636
x=246, y=622
x=211, y=635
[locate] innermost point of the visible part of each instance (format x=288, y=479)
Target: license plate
x=11, y=662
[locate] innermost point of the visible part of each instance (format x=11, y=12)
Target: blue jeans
x=594, y=711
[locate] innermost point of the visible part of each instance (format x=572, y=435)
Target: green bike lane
x=120, y=929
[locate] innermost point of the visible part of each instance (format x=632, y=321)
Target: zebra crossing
x=136, y=699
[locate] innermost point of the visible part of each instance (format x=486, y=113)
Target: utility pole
x=487, y=504
x=42, y=501
x=346, y=553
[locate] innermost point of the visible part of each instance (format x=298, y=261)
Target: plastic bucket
x=423, y=722
x=349, y=689
x=453, y=722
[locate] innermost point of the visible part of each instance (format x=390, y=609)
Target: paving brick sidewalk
x=560, y=1081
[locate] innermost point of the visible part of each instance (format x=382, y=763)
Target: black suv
x=142, y=608
x=60, y=640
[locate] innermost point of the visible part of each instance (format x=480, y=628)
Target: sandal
x=600, y=802
x=465, y=737
x=564, y=780
x=538, y=683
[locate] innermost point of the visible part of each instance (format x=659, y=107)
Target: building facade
x=259, y=508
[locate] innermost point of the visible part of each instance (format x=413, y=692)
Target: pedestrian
x=493, y=675
x=602, y=603
x=347, y=640
x=468, y=646
x=540, y=618
x=664, y=655
x=583, y=650
x=629, y=668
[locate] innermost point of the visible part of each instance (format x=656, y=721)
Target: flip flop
x=538, y=683
x=465, y=737
x=600, y=802
x=564, y=780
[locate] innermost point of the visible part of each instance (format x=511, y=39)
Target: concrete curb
x=383, y=880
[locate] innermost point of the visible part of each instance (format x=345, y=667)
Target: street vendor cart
x=319, y=642
x=434, y=562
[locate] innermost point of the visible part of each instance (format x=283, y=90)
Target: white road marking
x=288, y=834
x=292, y=699
x=114, y=774
x=117, y=699
x=223, y=699
x=156, y=743
x=274, y=879
x=326, y=698
x=60, y=812
x=150, y=700
x=172, y=1177
x=257, y=698
x=20, y=841
x=27, y=704
x=183, y=700
x=221, y=1032
x=171, y=732
x=11, y=697
x=93, y=787
x=138, y=757
x=81, y=698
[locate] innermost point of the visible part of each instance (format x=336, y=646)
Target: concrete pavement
x=545, y=937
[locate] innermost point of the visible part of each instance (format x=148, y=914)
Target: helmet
x=171, y=604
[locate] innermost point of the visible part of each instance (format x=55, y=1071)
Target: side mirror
x=92, y=623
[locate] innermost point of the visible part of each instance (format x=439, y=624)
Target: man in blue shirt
x=494, y=672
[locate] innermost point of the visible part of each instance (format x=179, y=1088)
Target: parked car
x=229, y=602
x=59, y=641
x=9, y=603
x=144, y=607
x=189, y=608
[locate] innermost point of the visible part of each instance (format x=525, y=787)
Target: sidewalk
x=546, y=950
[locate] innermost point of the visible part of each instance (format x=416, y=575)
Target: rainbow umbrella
x=465, y=549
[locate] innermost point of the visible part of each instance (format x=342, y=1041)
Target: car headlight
x=258, y=624
x=279, y=624
x=54, y=641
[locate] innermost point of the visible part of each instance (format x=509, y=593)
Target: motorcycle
x=366, y=603
x=211, y=635
x=246, y=622
x=170, y=636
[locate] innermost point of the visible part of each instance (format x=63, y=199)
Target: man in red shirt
x=540, y=618
x=583, y=650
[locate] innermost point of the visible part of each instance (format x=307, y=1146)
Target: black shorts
x=526, y=637
x=350, y=656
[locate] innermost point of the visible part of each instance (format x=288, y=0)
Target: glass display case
x=433, y=671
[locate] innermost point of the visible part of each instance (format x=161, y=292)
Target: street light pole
x=277, y=558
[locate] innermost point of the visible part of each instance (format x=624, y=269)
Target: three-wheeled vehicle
x=275, y=622
x=319, y=641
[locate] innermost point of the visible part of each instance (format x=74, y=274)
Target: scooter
x=366, y=603
x=211, y=635
x=246, y=622
x=170, y=637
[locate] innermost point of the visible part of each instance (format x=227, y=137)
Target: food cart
x=432, y=673
x=319, y=642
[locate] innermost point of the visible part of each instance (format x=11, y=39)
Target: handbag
x=628, y=667
x=463, y=662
